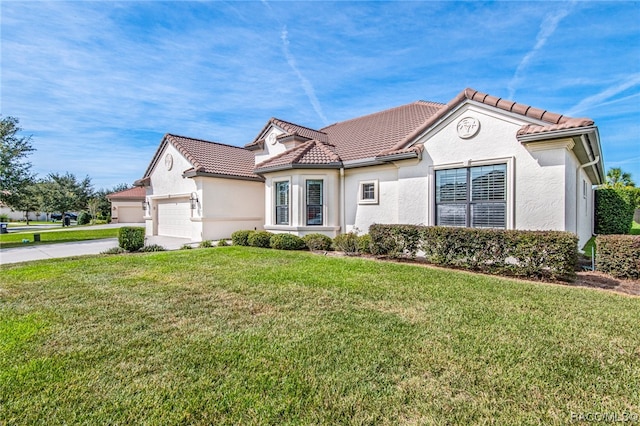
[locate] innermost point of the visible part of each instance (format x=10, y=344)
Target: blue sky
x=97, y=84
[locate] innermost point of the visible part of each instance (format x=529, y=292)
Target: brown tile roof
x=571, y=123
x=132, y=193
x=290, y=129
x=552, y=118
x=210, y=158
x=313, y=152
x=368, y=136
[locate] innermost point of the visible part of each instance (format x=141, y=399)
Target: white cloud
x=306, y=84
x=547, y=28
x=598, y=100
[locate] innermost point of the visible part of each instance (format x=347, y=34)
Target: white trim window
x=315, y=207
x=368, y=192
x=474, y=197
x=282, y=202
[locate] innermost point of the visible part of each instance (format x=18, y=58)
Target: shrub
x=347, y=243
x=114, y=250
x=152, y=248
x=131, y=238
x=84, y=218
x=317, y=242
x=614, y=210
x=222, y=243
x=186, y=247
x=4, y=217
x=205, y=244
x=533, y=254
x=241, y=238
x=618, y=255
x=395, y=240
x=286, y=242
x=260, y=239
x=364, y=243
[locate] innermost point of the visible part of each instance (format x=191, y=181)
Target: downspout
x=589, y=164
x=342, y=206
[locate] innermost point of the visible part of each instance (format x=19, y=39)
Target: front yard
x=238, y=335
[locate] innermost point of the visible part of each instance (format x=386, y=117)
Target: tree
x=29, y=201
x=15, y=172
x=616, y=178
x=102, y=204
x=65, y=193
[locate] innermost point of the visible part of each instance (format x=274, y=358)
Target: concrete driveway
x=79, y=248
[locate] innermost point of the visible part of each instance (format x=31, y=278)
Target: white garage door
x=130, y=214
x=174, y=218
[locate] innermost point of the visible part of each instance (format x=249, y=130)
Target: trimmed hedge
x=318, y=242
x=286, y=242
x=533, y=254
x=259, y=239
x=364, y=244
x=131, y=238
x=618, y=255
x=241, y=238
x=614, y=210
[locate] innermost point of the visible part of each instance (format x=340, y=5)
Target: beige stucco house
x=477, y=161
x=127, y=205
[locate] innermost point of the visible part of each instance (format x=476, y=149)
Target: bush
x=131, y=238
x=152, y=248
x=84, y=218
x=260, y=239
x=114, y=250
x=205, y=244
x=317, y=242
x=241, y=238
x=364, y=243
x=347, y=243
x=222, y=243
x=532, y=254
x=186, y=247
x=287, y=242
x=614, y=210
x=4, y=217
x=618, y=255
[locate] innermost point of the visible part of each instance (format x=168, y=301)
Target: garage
x=130, y=214
x=174, y=218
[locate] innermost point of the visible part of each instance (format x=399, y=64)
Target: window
x=314, y=202
x=472, y=197
x=282, y=203
x=368, y=192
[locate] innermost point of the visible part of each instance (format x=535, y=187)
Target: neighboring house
x=18, y=215
x=477, y=161
x=127, y=206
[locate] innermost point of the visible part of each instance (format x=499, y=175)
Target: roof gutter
x=193, y=173
x=336, y=165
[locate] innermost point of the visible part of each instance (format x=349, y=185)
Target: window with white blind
x=472, y=197
x=282, y=203
x=314, y=202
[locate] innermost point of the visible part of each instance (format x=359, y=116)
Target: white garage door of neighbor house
x=174, y=218
x=130, y=215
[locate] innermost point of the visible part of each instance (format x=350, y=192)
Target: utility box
x=36, y=238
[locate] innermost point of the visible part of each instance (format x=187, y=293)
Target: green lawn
x=237, y=335
x=52, y=236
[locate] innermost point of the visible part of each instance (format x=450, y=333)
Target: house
x=14, y=215
x=477, y=161
x=127, y=206
x=201, y=190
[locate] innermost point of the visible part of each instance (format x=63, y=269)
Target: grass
x=635, y=228
x=239, y=335
x=14, y=239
